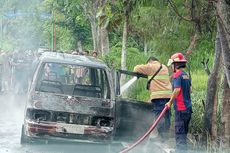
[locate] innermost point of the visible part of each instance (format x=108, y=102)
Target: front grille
x=69, y=118
x=72, y=118
x=38, y=115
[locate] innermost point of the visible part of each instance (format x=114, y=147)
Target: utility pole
x=54, y=37
x=52, y=32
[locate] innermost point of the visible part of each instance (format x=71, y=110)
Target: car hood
x=65, y=103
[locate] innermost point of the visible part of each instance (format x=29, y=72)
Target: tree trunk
x=55, y=38
x=79, y=46
x=225, y=52
x=103, y=22
x=192, y=44
x=225, y=116
x=214, y=115
x=104, y=40
x=123, y=50
x=124, y=43
x=94, y=29
x=211, y=99
x=99, y=39
x=90, y=8
x=145, y=47
x=207, y=16
x=223, y=15
x=223, y=11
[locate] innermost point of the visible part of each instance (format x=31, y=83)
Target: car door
x=133, y=118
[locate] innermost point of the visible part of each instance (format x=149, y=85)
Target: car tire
x=24, y=138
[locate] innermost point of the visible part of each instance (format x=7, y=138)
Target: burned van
x=75, y=98
x=70, y=97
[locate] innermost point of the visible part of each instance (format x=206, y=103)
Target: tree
x=125, y=33
x=100, y=15
x=223, y=13
x=71, y=24
x=210, y=116
x=90, y=10
x=147, y=23
x=128, y=6
x=103, y=17
x=225, y=119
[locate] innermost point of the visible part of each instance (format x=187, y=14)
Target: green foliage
x=65, y=41
x=199, y=80
x=134, y=57
x=196, y=124
x=70, y=22
x=147, y=22
x=204, y=49
x=167, y=42
x=139, y=92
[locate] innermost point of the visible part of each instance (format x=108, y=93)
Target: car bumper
x=67, y=132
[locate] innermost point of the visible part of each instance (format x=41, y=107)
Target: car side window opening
x=73, y=80
x=101, y=79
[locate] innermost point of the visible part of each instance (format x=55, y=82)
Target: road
x=11, y=119
x=10, y=122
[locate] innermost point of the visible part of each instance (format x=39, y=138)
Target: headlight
x=102, y=121
x=38, y=115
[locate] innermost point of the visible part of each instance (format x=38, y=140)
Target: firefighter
x=181, y=99
x=161, y=89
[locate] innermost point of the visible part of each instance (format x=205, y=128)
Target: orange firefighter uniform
x=160, y=86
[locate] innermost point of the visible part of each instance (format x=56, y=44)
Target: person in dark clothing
x=181, y=99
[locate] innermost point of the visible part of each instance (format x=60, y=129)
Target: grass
x=199, y=80
x=199, y=85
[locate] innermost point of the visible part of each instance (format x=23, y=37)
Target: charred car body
x=73, y=97
x=69, y=97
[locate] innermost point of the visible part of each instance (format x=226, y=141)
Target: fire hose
x=141, y=139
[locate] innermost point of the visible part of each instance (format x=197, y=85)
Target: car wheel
x=24, y=138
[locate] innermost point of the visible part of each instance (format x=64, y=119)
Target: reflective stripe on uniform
x=159, y=77
x=154, y=93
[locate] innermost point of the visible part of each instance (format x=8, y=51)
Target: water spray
x=141, y=139
x=135, y=75
x=128, y=84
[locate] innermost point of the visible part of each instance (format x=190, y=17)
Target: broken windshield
x=73, y=80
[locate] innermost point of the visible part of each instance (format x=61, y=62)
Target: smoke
x=21, y=25
x=11, y=119
x=12, y=106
